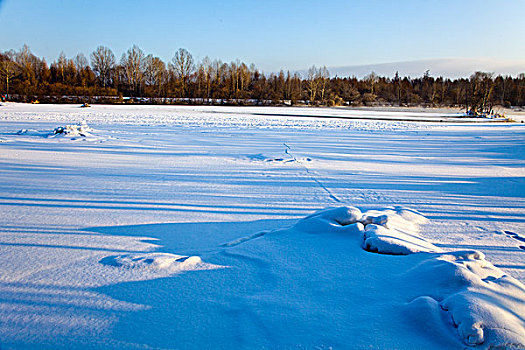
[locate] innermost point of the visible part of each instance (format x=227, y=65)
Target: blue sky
x=271, y=34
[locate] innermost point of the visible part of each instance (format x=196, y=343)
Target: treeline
x=146, y=78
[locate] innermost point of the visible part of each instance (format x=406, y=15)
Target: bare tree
x=8, y=68
x=183, y=66
x=133, y=64
x=372, y=79
x=103, y=63
x=27, y=62
x=324, y=78
x=312, y=84
x=61, y=65
x=30, y=67
x=481, y=92
x=84, y=73
x=244, y=76
x=80, y=61
x=207, y=70
x=155, y=72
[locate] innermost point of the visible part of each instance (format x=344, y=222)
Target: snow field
x=184, y=227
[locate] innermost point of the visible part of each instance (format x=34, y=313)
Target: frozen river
x=175, y=227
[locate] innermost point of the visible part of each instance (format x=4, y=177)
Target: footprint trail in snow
x=332, y=196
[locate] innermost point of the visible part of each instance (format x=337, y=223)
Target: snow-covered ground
x=203, y=227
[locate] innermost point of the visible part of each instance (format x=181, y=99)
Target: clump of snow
x=32, y=132
x=259, y=157
x=283, y=157
x=81, y=129
x=395, y=231
x=166, y=262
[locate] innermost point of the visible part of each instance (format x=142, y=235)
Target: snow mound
x=80, y=129
x=259, y=157
x=467, y=293
x=390, y=231
x=167, y=262
x=342, y=219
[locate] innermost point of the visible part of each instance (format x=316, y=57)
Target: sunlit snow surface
x=206, y=227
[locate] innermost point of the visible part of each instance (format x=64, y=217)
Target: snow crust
x=227, y=117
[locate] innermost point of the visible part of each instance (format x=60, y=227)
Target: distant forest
x=141, y=78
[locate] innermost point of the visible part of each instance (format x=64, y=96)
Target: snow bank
x=459, y=291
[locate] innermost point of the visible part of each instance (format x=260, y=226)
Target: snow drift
x=389, y=231
x=458, y=289
x=457, y=297
x=170, y=263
